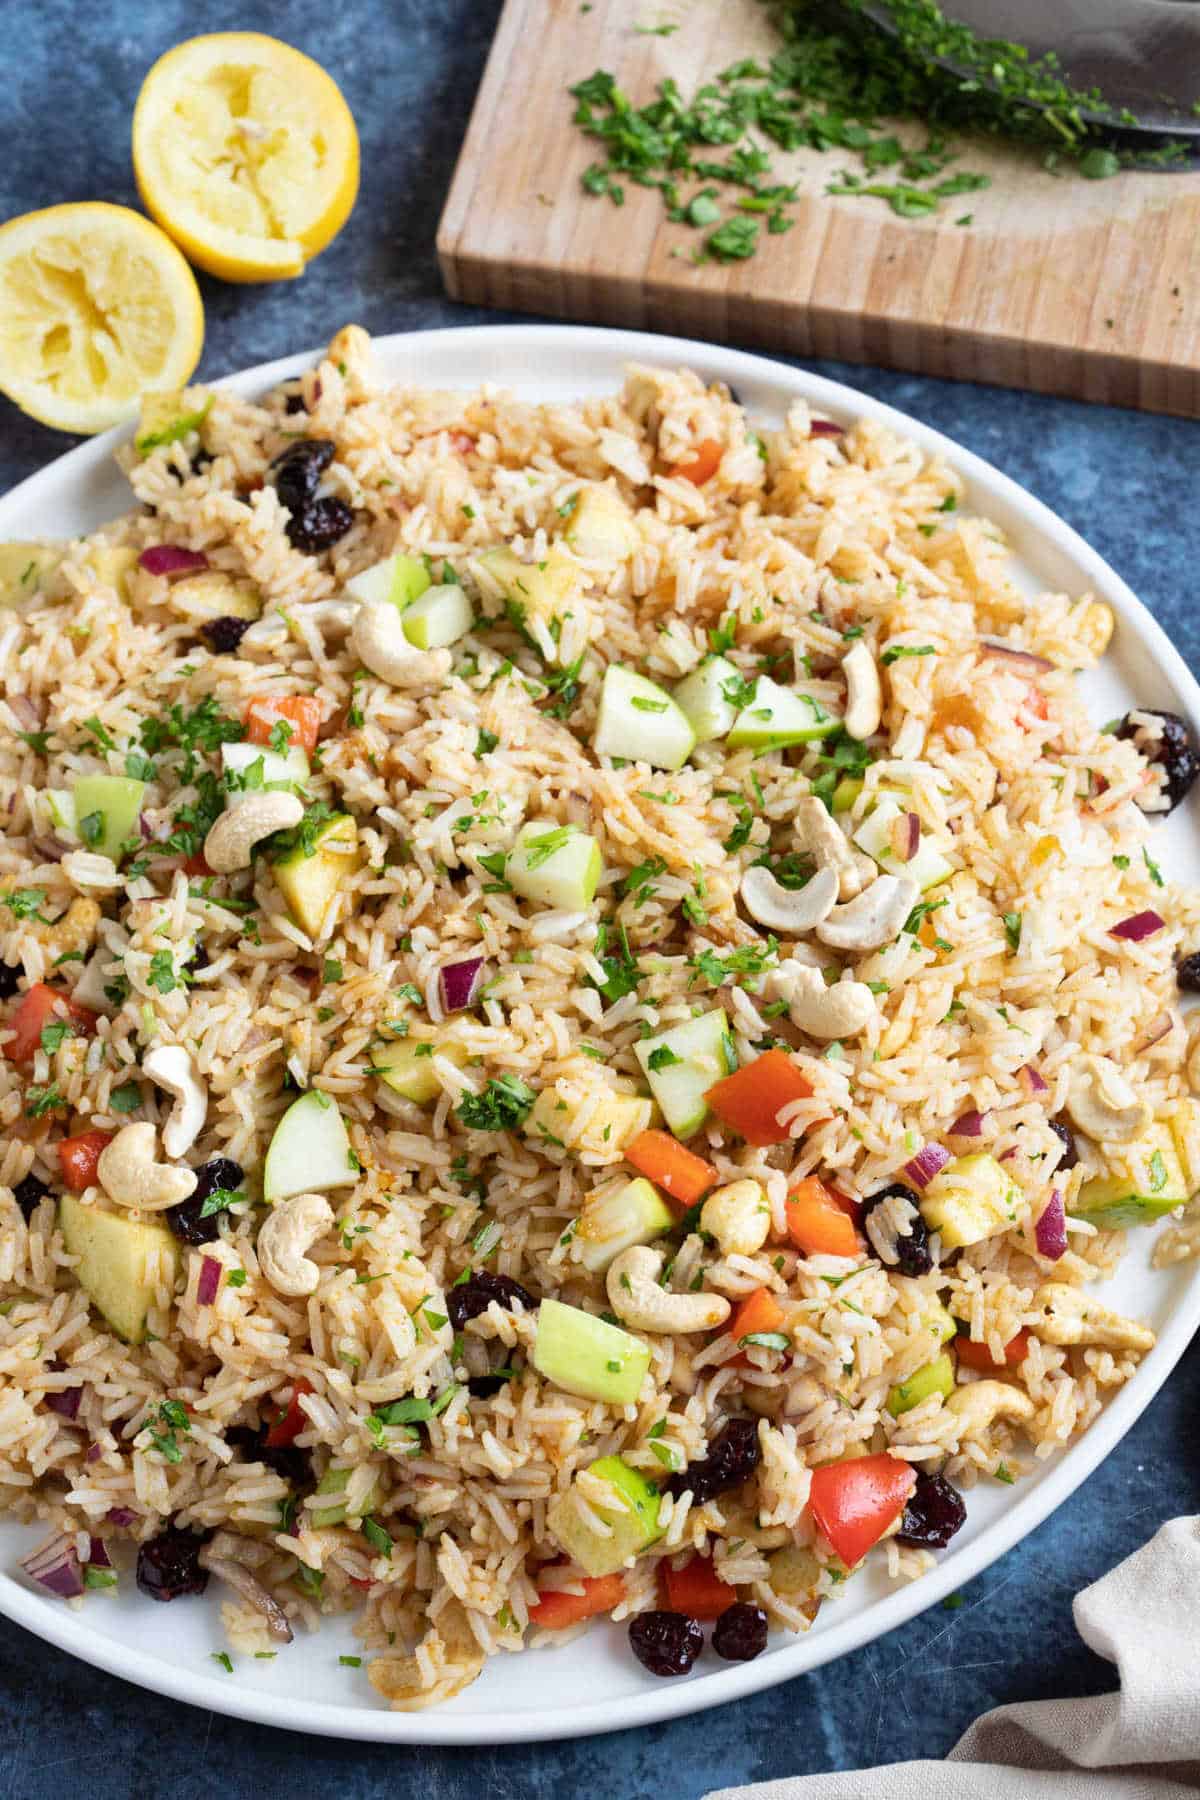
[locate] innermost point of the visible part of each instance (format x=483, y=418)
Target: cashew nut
x=286, y=1233
x=1102, y=1103
x=377, y=639
x=1069, y=1316
x=738, y=1217
x=818, y=833
x=864, y=693
x=130, y=1175
x=983, y=1402
x=791, y=910
x=350, y=350
x=874, y=918
x=230, y=842
x=840, y=1011
x=171, y=1068
x=637, y=1299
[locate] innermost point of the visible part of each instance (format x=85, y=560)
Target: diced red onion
x=968, y=1125
x=1158, y=1028
x=825, y=428
x=94, y=1453
x=1032, y=1079
x=905, y=836
x=208, y=1281
x=1024, y=659
x=122, y=1515
x=171, y=559
x=98, y=1555
x=927, y=1163
x=1138, y=926
x=460, y=983
x=54, y=1565
x=65, y=1402
x=1051, y=1228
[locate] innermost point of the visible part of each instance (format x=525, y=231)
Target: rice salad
x=585, y=1011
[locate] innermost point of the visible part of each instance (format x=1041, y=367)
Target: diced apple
x=122, y=1259
x=602, y=526
x=106, y=811
x=309, y=883
x=629, y=1526
x=309, y=1150
x=617, y=1216
x=554, y=865
x=777, y=717
x=927, y=868
x=641, y=722
x=441, y=616
x=683, y=1063
x=407, y=1066
x=973, y=1198
x=399, y=579
x=290, y=769
x=24, y=568
x=703, y=697
x=212, y=594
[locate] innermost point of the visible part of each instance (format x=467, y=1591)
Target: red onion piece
x=825, y=428
x=65, y=1402
x=1032, y=1080
x=54, y=1565
x=927, y=1163
x=171, y=559
x=1158, y=1028
x=98, y=1554
x=1051, y=1228
x=94, y=1453
x=1138, y=926
x=1023, y=659
x=968, y=1125
x=460, y=983
x=208, y=1281
x=905, y=836
x=122, y=1515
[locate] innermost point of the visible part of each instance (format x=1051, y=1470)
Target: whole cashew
x=377, y=639
x=874, y=918
x=864, y=693
x=1102, y=1103
x=130, y=1175
x=818, y=833
x=826, y=1013
x=1066, y=1315
x=170, y=1067
x=230, y=842
x=637, y=1299
x=791, y=910
x=286, y=1233
x=983, y=1402
x=738, y=1217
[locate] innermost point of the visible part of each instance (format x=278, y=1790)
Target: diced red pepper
x=758, y=1312
x=42, y=1005
x=750, y=1100
x=816, y=1224
x=293, y=1420
x=462, y=443
x=78, y=1157
x=696, y=1589
x=974, y=1355
x=853, y=1503
x=702, y=465
x=671, y=1166
x=196, y=866
x=556, y=1610
x=301, y=711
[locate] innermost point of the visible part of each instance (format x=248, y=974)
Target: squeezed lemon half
x=96, y=305
x=246, y=153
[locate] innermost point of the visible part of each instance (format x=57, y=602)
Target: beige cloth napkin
x=1141, y=1743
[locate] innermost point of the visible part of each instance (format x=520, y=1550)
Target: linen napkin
x=1140, y=1743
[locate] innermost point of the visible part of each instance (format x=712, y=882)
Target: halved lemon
x=96, y=306
x=246, y=152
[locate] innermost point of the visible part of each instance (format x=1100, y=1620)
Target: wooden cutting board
x=1084, y=288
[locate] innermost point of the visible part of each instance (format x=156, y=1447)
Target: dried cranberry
x=733, y=1456
x=29, y=1195
x=934, y=1513
x=319, y=526
x=666, y=1643
x=286, y=1460
x=168, y=1565
x=185, y=1220
x=467, y=1299
x=224, y=635
x=1066, y=1137
x=1187, y=973
x=740, y=1634
x=10, y=980
x=1172, y=751
x=294, y=403
x=298, y=471
x=913, y=1255
x=200, y=459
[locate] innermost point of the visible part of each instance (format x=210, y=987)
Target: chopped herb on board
x=839, y=84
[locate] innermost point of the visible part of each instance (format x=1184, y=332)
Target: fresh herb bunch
x=837, y=83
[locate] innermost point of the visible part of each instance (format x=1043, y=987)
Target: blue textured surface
x=1127, y=482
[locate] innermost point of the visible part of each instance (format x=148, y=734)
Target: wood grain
x=1089, y=289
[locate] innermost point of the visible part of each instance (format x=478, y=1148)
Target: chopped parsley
x=895, y=652
x=1012, y=930
x=502, y=1106
x=126, y=1098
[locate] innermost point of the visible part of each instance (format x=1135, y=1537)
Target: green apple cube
x=937, y=1377
x=703, y=697
x=24, y=567
x=641, y=722
x=289, y=770
x=973, y=1198
x=586, y=1356
x=106, y=811
x=683, y=1063
x=309, y=1151
x=544, y=589
x=554, y=865
x=602, y=526
x=407, y=1067
x=399, y=579
x=778, y=717
x=309, y=882
x=630, y=1525
x=927, y=868
x=119, y=1261
x=333, y=1483
x=441, y=616
x=616, y=1217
